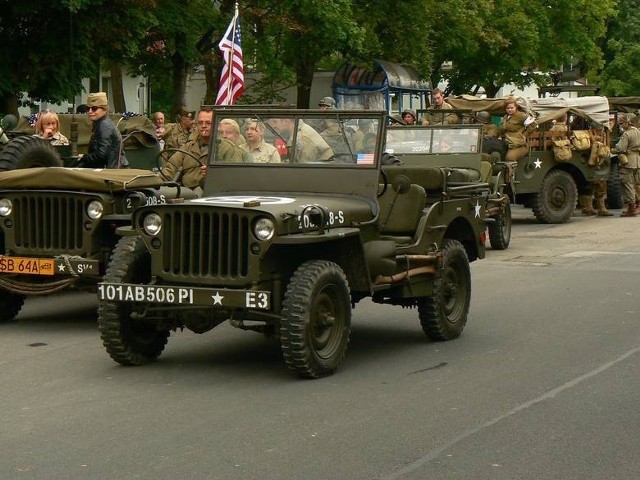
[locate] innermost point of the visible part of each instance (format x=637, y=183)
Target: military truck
x=57, y=226
x=459, y=146
x=542, y=182
x=288, y=248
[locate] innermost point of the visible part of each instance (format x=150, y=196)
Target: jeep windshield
x=282, y=150
x=302, y=138
x=406, y=140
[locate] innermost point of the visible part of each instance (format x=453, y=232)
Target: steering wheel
x=385, y=183
x=164, y=157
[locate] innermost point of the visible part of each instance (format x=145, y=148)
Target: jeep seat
x=401, y=212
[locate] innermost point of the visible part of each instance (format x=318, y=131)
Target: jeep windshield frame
x=318, y=152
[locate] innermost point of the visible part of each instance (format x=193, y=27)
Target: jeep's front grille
x=48, y=222
x=206, y=243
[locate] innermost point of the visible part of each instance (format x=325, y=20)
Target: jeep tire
x=29, y=151
x=500, y=229
x=614, y=187
x=129, y=341
x=316, y=319
x=10, y=306
x=556, y=199
x=444, y=315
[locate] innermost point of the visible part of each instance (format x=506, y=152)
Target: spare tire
x=28, y=152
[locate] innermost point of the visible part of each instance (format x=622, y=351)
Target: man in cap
x=105, y=146
x=180, y=134
x=327, y=103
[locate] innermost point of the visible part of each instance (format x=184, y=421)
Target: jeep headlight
x=263, y=228
x=152, y=224
x=5, y=207
x=95, y=209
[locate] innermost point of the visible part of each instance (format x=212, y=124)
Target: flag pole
x=231, y=53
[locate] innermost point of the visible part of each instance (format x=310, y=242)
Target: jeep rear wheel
x=316, y=319
x=29, y=152
x=556, y=200
x=614, y=187
x=444, y=315
x=500, y=229
x=10, y=306
x=129, y=341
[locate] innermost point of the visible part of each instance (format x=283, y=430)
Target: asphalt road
x=543, y=384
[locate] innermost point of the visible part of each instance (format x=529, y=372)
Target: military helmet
x=327, y=102
x=483, y=117
x=409, y=111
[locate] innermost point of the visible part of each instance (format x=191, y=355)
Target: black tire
x=29, y=152
x=444, y=315
x=129, y=341
x=614, y=188
x=316, y=319
x=500, y=229
x=10, y=306
x=557, y=198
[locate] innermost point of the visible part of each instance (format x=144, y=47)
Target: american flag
x=232, y=75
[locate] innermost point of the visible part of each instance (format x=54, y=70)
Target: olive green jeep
x=459, y=146
x=288, y=246
x=543, y=182
x=57, y=226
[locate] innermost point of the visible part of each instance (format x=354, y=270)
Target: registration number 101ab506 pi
x=125, y=292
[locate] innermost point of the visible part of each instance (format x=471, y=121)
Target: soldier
x=310, y=146
x=409, y=116
x=327, y=103
x=180, y=133
x=435, y=114
x=489, y=129
x=514, y=127
x=189, y=171
x=628, y=149
x=105, y=146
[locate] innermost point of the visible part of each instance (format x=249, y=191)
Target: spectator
x=158, y=121
x=105, y=146
x=48, y=128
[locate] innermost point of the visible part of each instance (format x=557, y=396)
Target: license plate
x=26, y=265
x=205, y=297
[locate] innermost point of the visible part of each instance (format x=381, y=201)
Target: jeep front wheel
x=129, y=341
x=316, y=319
x=10, y=306
x=500, y=229
x=444, y=315
x=555, y=201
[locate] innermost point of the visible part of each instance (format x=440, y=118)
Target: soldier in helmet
x=327, y=103
x=409, y=116
x=489, y=129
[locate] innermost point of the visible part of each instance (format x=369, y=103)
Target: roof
x=382, y=75
x=594, y=108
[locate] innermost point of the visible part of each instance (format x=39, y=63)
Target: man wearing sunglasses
x=105, y=146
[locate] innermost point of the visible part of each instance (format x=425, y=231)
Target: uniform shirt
x=513, y=129
x=490, y=130
x=629, y=143
x=191, y=173
x=178, y=137
x=436, y=116
x=262, y=153
x=311, y=147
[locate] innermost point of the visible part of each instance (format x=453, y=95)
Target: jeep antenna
x=73, y=137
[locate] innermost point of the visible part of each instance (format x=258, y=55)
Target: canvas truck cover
x=84, y=179
x=594, y=108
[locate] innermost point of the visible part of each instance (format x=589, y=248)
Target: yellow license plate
x=28, y=266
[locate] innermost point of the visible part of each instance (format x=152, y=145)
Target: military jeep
x=547, y=185
x=459, y=146
x=287, y=248
x=57, y=226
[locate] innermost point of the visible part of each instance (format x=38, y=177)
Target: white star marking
x=217, y=298
x=61, y=268
x=538, y=163
x=478, y=209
